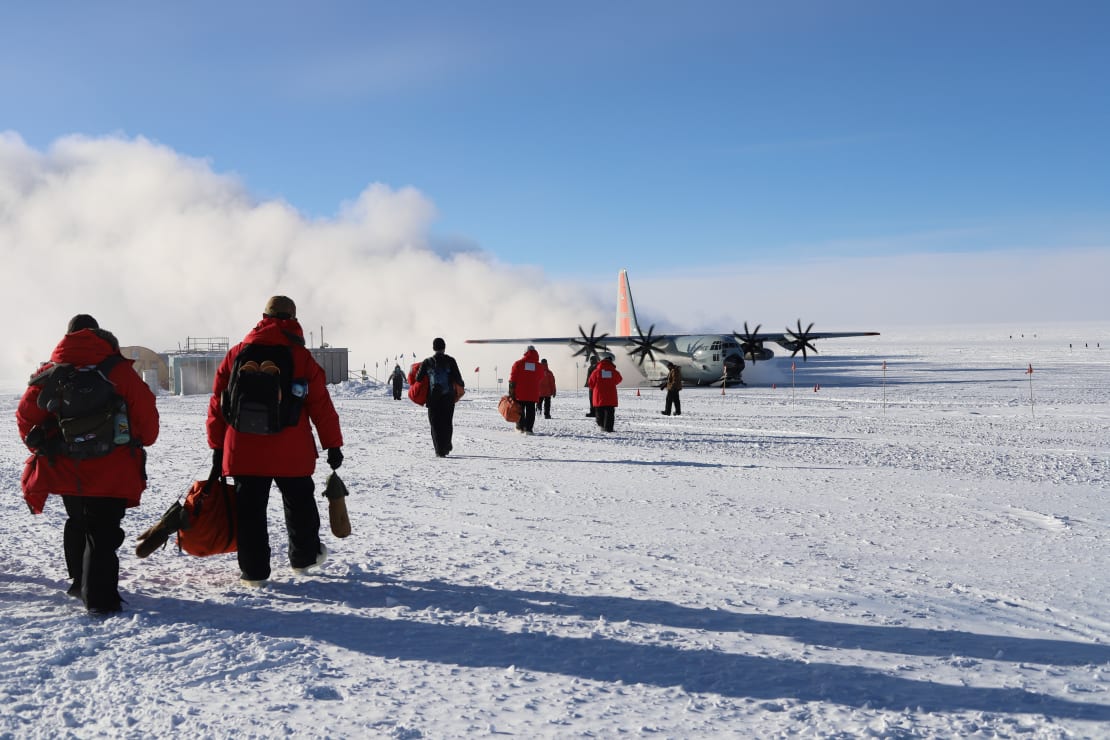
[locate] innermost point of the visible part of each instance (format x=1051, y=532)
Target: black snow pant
x=605, y=416
x=441, y=418
x=527, y=416
x=672, y=400
x=302, y=522
x=544, y=406
x=396, y=390
x=91, y=536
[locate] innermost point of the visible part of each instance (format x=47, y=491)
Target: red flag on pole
x=1030, y=370
x=476, y=369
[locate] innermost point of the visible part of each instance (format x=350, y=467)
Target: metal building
x=193, y=370
x=193, y=373
x=334, y=362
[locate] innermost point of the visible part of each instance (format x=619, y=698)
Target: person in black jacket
x=398, y=380
x=442, y=373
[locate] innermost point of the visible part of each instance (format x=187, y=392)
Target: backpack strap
x=105, y=366
x=40, y=376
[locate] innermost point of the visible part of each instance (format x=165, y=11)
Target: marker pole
x=884, y=386
x=793, y=385
x=1029, y=372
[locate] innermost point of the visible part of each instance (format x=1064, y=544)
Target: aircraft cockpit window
x=715, y=346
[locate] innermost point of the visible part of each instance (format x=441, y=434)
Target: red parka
x=120, y=473
x=526, y=375
x=547, y=382
x=291, y=453
x=604, y=381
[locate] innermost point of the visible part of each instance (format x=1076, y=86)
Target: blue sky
x=584, y=137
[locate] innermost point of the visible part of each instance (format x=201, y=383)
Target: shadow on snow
x=601, y=658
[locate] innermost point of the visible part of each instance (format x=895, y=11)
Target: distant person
x=91, y=453
x=592, y=413
x=673, y=384
x=524, y=387
x=398, y=380
x=443, y=375
x=267, y=390
x=547, y=390
x=603, y=382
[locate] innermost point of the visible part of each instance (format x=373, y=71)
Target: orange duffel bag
x=204, y=524
x=208, y=524
x=509, y=409
x=418, y=392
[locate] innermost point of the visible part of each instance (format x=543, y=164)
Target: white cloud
x=159, y=247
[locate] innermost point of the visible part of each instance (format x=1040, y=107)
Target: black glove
x=217, y=463
x=335, y=458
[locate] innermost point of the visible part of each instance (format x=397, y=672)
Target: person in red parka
x=603, y=382
x=256, y=461
x=547, y=390
x=524, y=386
x=96, y=491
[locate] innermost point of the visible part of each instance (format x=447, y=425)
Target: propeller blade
x=589, y=345
x=749, y=344
x=645, y=346
x=800, y=339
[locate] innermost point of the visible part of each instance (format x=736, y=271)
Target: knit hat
x=438, y=345
x=280, y=307
x=81, y=321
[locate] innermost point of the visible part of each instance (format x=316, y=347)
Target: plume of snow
x=159, y=247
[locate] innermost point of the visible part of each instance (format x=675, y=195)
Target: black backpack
x=439, y=379
x=90, y=415
x=262, y=396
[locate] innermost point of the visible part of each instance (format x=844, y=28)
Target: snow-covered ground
x=925, y=556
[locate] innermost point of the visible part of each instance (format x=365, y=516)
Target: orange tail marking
x=624, y=317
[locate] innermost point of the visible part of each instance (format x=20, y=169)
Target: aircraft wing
x=605, y=339
x=791, y=340
x=780, y=337
x=572, y=341
x=585, y=347
x=648, y=344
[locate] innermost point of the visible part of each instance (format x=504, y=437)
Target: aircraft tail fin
x=626, y=309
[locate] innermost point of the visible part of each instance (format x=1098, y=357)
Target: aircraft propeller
x=799, y=340
x=749, y=344
x=589, y=344
x=645, y=346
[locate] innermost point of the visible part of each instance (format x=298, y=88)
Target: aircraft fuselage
x=705, y=359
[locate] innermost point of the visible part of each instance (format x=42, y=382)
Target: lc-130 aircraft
x=704, y=359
